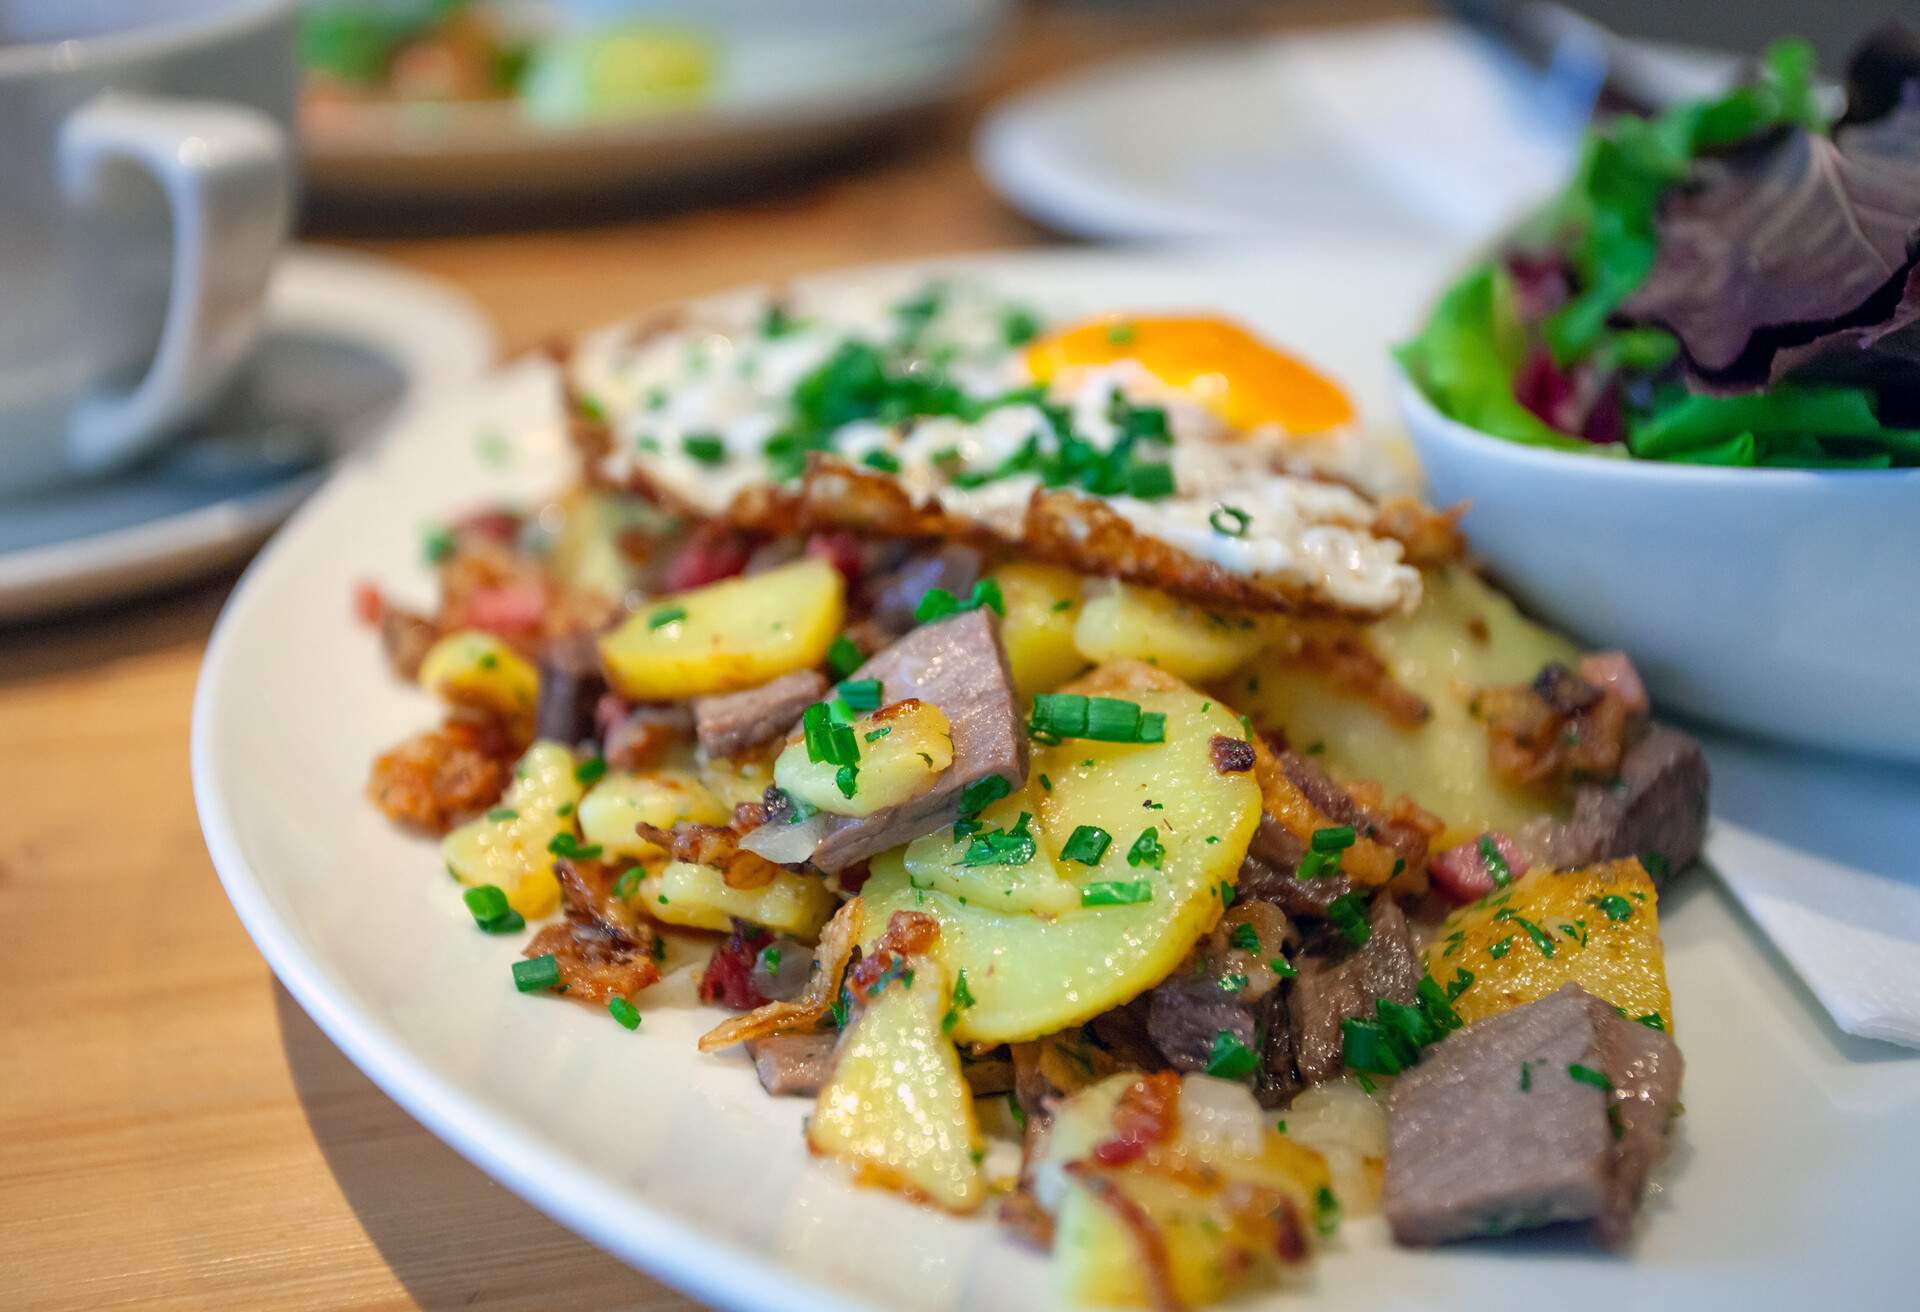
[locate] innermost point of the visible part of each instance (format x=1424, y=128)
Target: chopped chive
x=861, y=694
x=1334, y=839
x=1046, y=784
x=1230, y=1058
x=500, y=813
x=1652, y=1021
x=565, y=844
x=844, y=657
x=625, y=1012
x=1348, y=914
x=1233, y=983
x=1150, y=481
x=1087, y=845
x=1314, y=864
x=487, y=904
x=845, y=779
x=436, y=544
x=1245, y=938
x=590, y=770
x=1326, y=1208
x=884, y=461
x=1225, y=893
x=1116, y=893
x=938, y=603
x=1588, y=1075
x=875, y=735
x=666, y=615
x=1282, y=967
x=1147, y=850
x=629, y=881
x=538, y=973
x=705, y=448
x=1063, y=605
x=1229, y=521
x=1526, y=1076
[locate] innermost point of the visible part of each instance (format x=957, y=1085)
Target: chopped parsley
x=1230, y=1058
x=1588, y=1075
x=1245, y=938
x=1495, y=863
x=1002, y=847
x=981, y=793
x=1526, y=1077
x=875, y=735
x=1614, y=906
x=1652, y=1021
x=962, y=999
x=938, y=603
x=1348, y=914
x=1147, y=850
x=884, y=461
x=1326, y=1208
x=436, y=544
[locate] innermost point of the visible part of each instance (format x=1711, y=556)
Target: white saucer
x=1402, y=130
x=350, y=342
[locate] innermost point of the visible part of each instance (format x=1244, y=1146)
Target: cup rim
x=1423, y=414
x=154, y=39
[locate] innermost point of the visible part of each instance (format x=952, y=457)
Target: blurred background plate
x=349, y=343
x=738, y=84
x=1394, y=130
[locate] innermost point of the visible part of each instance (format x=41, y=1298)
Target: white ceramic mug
x=146, y=182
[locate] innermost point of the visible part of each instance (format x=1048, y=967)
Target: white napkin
x=1824, y=853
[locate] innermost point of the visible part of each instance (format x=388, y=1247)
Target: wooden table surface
x=174, y=1131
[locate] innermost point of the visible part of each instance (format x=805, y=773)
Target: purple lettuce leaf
x=1884, y=353
x=1803, y=230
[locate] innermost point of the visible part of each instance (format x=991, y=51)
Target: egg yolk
x=1242, y=379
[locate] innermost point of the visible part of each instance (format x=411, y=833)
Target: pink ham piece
x=1462, y=874
x=1613, y=672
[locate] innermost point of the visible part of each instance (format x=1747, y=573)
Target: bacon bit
x=728, y=979
x=509, y=610
x=840, y=550
x=1021, y=1213
x=1460, y=873
x=406, y=638
x=908, y=934
x=368, y=604
x=1478, y=631
x=494, y=525
x=587, y=889
x=1557, y=729
x=837, y=945
x=854, y=878
x=716, y=846
x=597, y=962
x=1387, y=847
x=1146, y=1114
x=436, y=779
x=1150, y=1244
x=1613, y=672
x=713, y=553
x=1230, y=755
x=894, y=710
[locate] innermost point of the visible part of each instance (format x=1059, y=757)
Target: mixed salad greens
x=1734, y=282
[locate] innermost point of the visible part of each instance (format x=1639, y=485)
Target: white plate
x=349, y=341
x=794, y=83
x=1402, y=129
x=1792, y=1180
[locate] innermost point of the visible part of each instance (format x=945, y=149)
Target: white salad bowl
x=1781, y=602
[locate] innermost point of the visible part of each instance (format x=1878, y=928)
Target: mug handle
x=227, y=172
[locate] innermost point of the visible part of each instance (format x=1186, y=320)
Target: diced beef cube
x=792, y=1065
x=1343, y=808
x=1230, y=987
x=571, y=684
x=1187, y=1014
x=729, y=723
x=634, y=736
x=1504, y=1126
x=957, y=665
x=1337, y=982
x=1267, y=873
x=893, y=597
x=1658, y=805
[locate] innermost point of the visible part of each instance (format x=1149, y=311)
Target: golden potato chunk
x=1043, y=605
x=898, y=1112
x=1598, y=928
x=737, y=633
x=699, y=897
x=471, y=668
x=509, y=846
x=1049, y=933
x=1121, y=621
x=663, y=798
x=903, y=750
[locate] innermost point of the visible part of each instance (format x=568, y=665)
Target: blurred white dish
x=1404, y=129
x=349, y=341
x=1782, y=602
x=794, y=81
x=1795, y=1141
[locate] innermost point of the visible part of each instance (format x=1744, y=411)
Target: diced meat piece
x=1187, y=1014
x=730, y=723
x=1613, y=672
x=1268, y=873
x=781, y=968
x=1565, y=692
x=728, y=978
x=571, y=685
x=714, y=552
x=636, y=736
x=892, y=597
x=989, y=1076
x=959, y=666
x=1463, y=873
x=508, y=609
x=843, y=551
x=1657, y=806
x=1338, y=982
x=793, y=1065
x=1228, y=986
x=436, y=779
x=1504, y=1125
